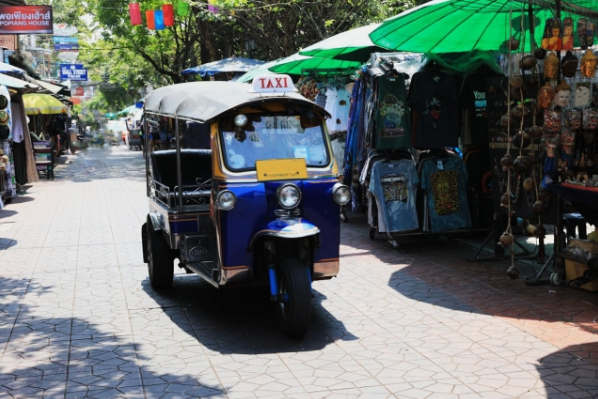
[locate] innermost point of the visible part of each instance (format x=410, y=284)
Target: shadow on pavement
x=72, y=357
x=242, y=320
x=100, y=163
x=6, y=213
x=567, y=375
x=436, y=271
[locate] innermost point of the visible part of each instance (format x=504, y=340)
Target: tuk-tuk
x=250, y=195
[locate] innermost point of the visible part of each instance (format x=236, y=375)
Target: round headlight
x=240, y=120
x=289, y=196
x=341, y=194
x=226, y=200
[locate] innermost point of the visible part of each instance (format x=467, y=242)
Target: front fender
x=291, y=227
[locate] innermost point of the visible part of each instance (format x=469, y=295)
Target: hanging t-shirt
x=18, y=134
x=338, y=103
x=394, y=185
x=474, y=101
x=435, y=110
x=445, y=181
x=393, y=126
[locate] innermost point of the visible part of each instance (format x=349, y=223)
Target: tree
x=277, y=29
x=135, y=56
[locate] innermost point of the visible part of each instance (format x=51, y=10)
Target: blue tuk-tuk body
x=261, y=206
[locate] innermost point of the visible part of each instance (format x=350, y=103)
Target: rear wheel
x=160, y=262
x=294, y=307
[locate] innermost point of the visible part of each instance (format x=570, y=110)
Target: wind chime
x=517, y=168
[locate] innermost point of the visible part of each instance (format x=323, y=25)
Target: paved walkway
x=78, y=318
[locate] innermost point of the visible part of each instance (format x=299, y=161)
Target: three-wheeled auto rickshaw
x=250, y=195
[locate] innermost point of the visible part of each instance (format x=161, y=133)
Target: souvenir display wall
x=543, y=115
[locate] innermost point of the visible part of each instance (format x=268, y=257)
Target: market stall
x=17, y=166
x=487, y=132
x=48, y=122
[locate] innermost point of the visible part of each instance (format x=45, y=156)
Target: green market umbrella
x=352, y=45
x=447, y=26
x=129, y=110
x=261, y=70
x=297, y=64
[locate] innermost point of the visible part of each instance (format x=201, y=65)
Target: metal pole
x=532, y=22
x=147, y=154
x=179, y=171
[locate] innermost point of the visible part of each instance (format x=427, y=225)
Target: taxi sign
x=273, y=84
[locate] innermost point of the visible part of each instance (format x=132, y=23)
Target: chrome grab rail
x=193, y=195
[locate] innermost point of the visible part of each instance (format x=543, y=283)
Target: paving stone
x=78, y=317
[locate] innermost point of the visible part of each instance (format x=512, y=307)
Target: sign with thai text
x=74, y=72
x=26, y=19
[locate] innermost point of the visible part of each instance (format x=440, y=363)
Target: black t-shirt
x=435, y=110
x=475, y=101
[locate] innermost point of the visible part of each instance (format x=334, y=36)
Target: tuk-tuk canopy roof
x=204, y=101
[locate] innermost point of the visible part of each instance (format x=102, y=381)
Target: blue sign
x=65, y=40
x=65, y=47
x=74, y=72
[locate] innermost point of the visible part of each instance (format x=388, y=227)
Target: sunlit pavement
x=79, y=318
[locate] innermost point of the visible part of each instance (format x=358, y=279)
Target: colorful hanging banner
x=135, y=14
x=159, y=20
x=212, y=8
x=149, y=18
x=168, y=11
x=182, y=8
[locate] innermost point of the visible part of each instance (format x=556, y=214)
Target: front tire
x=293, y=310
x=160, y=262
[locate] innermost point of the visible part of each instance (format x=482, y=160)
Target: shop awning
x=44, y=85
x=37, y=103
x=15, y=83
x=4, y=67
x=233, y=64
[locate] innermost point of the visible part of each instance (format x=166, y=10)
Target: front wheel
x=293, y=309
x=160, y=262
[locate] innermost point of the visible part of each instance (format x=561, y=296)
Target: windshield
x=272, y=137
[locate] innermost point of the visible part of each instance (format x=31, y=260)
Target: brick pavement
x=79, y=320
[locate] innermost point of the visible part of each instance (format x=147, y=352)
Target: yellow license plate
x=281, y=169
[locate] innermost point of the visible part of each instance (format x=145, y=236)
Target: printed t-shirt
x=394, y=184
x=475, y=102
x=338, y=103
x=445, y=181
x=435, y=110
x=393, y=126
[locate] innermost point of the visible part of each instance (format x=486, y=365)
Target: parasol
x=448, y=26
x=297, y=64
x=36, y=103
x=352, y=45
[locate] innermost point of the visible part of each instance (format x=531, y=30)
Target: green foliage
x=128, y=58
